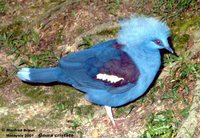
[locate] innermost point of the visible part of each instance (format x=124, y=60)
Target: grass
x=65, y=101
x=166, y=9
x=174, y=88
x=106, y=32
x=113, y=6
x=3, y=7
x=180, y=76
x=123, y=111
x=74, y=126
x=35, y=93
x=17, y=40
x=171, y=8
x=87, y=42
x=185, y=112
x=162, y=124
x=44, y=59
x=17, y=45
x=65, y=97
x=14, y=41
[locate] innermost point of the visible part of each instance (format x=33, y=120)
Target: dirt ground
x=36, y=33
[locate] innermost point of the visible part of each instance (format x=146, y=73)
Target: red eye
x=158, y=42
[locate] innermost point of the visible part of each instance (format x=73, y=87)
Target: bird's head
x=146, y=32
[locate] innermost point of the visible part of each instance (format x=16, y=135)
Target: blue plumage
x=115, y=72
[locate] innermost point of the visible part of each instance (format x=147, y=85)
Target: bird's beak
x=170, y=49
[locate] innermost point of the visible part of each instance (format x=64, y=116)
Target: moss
x=188, y=23
x=180, y=42
x=65, y=97
x=35, y=93
x=181, y=25
x=109, y=31
x=179, y=28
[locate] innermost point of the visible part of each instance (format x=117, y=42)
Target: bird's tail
x=43, y=75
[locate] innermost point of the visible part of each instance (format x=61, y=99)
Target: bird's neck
x=145, y=59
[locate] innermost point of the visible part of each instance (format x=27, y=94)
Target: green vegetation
x=13, y=42
x=166, y=9
x=126, y=110
x=18, y=43
x=181, y=42
x=65, y=97
x=181, y=25
x=3, y=7
x=74, y=126
x=87, y=42
x=112, y=32
x=172, y=8
x=35, y=93
x=39, y=60
x=185, y=112
x=113, y=6
x=162, y=124
x=180, y=36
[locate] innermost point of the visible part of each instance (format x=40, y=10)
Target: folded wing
x=105, y=66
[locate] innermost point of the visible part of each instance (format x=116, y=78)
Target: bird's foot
x=116, y=125
x=110, y=115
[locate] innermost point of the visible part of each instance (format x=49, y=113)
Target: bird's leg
x=109, y=113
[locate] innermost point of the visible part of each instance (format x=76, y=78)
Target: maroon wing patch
x=123, y=68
